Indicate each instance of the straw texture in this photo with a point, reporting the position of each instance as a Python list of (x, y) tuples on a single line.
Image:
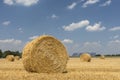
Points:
[(10, 58), (85, 57), (17, 57), (45, 54)]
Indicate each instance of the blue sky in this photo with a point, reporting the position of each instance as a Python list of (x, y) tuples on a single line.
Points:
[(81, 25)]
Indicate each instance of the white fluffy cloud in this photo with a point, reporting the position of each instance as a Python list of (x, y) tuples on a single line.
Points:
[(116, 36), (11, 44), (107, 3), (95, 27), (86, 3), (6, 23), (115, 29), (33, 37), (84, 23), (114, 42), (68, 41), (90, 2), (91, 47), (113, 47), (13, 41), (77, 25), (110, 47), (71, 6), (20, 29), (54, 16), (9, 2), (92, 44), (21, 2)]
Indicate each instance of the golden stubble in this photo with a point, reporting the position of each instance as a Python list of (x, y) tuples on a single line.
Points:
[(97, 69)]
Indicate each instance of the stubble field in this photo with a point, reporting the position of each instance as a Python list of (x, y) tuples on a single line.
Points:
[(97, 69)]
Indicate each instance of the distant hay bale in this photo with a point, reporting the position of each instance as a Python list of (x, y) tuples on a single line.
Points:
[(45, 54), (85, 57), (10, 58), (17, 57), (102, 57)]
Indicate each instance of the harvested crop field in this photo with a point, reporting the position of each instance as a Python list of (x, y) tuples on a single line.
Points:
[(97, 69)]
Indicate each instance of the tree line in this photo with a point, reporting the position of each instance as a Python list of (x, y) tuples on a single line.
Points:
[(17, 53), (109, 55), (8, 52)]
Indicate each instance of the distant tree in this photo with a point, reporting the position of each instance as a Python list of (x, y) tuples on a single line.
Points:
[(0, 53), (118, 55), (8, 52), (16, 53), (75, 54), (97, 55)]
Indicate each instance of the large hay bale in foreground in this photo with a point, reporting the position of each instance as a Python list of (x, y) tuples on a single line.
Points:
[(102, 57), (85, 57), (17, 57), (10, 58), (45, 54)]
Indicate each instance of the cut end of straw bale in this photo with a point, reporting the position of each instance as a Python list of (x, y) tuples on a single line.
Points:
[(10, 58), (17, 57), (85, 57), (102, 57), (45, 54)]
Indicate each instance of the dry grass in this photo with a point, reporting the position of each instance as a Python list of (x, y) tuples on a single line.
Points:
[(10, 58), (97, 69)]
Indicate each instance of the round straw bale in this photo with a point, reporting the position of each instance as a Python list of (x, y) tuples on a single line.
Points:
[(45, 54), (10, 58), (17, 57), (85, 57), (102, 57)]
